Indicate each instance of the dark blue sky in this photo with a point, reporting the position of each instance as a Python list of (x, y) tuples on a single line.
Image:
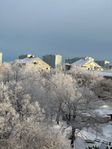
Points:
[(68, 27)]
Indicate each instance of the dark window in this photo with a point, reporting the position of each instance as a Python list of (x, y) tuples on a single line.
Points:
[(35, 63)]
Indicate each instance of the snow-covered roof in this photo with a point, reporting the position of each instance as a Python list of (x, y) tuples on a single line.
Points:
[(83, 62), (28, 60), (79, 62), (105, 73), (35, 60), (67, 64)]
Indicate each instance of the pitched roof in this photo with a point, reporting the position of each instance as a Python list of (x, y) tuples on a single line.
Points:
[(79, 62), (84, 61), (28, 60)]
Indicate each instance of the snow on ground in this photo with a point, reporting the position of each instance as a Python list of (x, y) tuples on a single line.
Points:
[(92, 135), (104, 112), (107, 131), (87, 134)]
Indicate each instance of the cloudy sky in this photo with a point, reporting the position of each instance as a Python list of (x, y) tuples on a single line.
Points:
[(68, 27)]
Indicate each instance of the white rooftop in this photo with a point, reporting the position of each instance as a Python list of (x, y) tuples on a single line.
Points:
[(82, 62), (28, 60)]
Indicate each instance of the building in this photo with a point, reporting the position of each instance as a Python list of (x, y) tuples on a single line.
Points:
[(26, 56), (103, 63), (72, 60), (110, 65), (1, 57), (36, 62), (86, 63), (67, 66), (55, 61)]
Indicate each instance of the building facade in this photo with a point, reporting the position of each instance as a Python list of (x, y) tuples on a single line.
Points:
[(104, 63), (110, 65), (34, 62), (1, 57), (87, 63), (55, 61)]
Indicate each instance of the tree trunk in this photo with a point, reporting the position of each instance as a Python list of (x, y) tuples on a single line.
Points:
[(57, 118), (73, 137), (58, 114)]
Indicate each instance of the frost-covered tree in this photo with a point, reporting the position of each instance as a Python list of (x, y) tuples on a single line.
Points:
[(8, 115), (34, 136), (29, 98), (72, 103), (103, 89)]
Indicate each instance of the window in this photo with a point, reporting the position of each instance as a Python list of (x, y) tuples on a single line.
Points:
[(35, 62)]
